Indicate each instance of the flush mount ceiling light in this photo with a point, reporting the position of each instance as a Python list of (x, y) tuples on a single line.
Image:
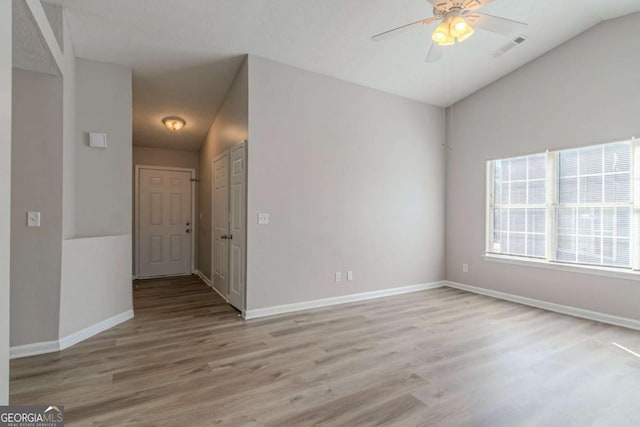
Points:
[(174, 123), (456, 20)]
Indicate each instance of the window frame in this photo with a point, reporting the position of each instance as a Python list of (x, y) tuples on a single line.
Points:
[(552, 206)]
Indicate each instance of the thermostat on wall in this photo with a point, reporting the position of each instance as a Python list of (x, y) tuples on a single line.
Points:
[(97, 140)]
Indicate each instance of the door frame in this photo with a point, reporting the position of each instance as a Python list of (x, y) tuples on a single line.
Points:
[(136, 249)]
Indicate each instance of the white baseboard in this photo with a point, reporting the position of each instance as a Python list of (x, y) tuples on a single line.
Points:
[(66, 342), (558, 308), (206, 280), (306, 305), (95, 329), (34, 349)]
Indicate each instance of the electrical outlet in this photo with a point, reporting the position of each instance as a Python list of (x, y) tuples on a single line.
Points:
[(338, 276), (349, 275), (465, 268), (33, 219), (263, 218)]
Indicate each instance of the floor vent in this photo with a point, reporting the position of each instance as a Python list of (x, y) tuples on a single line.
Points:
[(507, 47)]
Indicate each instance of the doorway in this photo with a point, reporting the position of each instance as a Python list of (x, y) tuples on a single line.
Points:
[(164, 221), (228, 224)]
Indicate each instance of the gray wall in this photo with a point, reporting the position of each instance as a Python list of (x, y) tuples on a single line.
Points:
[(39, 175), (36, 186), (103, 176), (5, 194), (584, 92), (228, 129), (353, 180)]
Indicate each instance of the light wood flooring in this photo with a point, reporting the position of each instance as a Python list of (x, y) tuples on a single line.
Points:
[(441, 357)]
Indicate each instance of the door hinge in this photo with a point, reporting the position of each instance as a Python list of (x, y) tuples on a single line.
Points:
[(193, 180)]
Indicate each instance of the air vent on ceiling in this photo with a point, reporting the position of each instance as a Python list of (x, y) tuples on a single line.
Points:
[(507, 47)]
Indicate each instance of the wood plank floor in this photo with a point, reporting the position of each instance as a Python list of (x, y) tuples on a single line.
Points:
[(440, 357)]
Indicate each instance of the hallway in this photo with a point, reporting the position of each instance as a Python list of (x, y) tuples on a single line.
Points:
[(99, 378)]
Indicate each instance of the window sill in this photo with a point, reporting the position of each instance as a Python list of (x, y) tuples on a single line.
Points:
[(580, 269)]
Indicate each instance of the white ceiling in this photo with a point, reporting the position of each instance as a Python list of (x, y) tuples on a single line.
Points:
[(185, 54), (29, 51)]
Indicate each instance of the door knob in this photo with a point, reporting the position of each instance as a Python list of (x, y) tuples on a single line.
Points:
[(188, 230), (188, 223)]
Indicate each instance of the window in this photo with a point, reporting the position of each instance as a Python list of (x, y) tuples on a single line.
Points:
[(571, 206), (518, 209)]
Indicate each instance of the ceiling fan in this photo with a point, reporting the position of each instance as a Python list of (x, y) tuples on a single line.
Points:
[(458, 18)]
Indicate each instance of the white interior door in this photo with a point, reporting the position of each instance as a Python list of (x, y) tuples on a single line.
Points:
[(164, 221), (237, 241), (220, 216)]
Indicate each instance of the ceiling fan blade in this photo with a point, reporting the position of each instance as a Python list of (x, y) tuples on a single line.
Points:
[(495, 24), (398, 30), (476, 4), (444, 5), (439, 4), (435, 53)]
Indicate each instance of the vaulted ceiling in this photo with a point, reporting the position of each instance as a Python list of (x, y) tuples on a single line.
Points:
[(185, 54), (29, 50)]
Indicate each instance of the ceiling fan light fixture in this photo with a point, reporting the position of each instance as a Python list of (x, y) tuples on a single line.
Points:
[(442, 34), (453, 29), (459, 26), (174, 123), (468, 33)]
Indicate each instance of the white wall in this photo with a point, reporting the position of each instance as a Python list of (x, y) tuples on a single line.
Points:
[(584, 92), (103, 177), (96, 277), (5, 193), (96, 262), (36, 185), (353, 180), (229, 128)]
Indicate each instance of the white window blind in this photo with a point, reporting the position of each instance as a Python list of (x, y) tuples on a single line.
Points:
[(518, 208), (570, 206), (594, 209)]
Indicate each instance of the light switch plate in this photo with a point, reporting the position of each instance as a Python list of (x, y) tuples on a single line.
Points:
[(263, 218), (33, 219), (338, 276), (349, 275), (97, 140)]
